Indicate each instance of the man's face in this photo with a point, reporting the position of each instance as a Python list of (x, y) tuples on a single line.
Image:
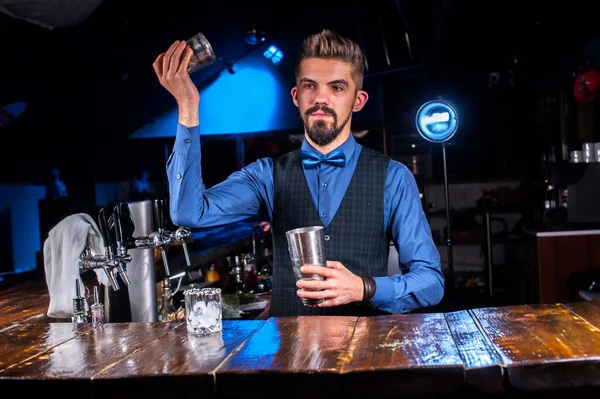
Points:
[(326, 97)]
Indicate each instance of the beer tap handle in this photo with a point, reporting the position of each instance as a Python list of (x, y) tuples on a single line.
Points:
[(128, 225), (163, 252), (121, 246), (182, 235), (118, 230), (106, 236), (159, 215), (103, 226), (159, 218), (187, 254)]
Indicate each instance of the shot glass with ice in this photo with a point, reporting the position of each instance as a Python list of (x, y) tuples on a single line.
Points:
[(203, 310)]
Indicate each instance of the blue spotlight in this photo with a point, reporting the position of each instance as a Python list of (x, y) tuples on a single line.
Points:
[(274, 54), (270, 52), (277, 57), (436, 121)]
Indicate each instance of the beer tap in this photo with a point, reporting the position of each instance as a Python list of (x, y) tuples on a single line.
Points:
[(112, 258), (181, 235), (164, 237), (161, 240), (121, 257), (108, 250)]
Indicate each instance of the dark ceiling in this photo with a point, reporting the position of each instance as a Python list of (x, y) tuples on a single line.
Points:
[(91, 85)]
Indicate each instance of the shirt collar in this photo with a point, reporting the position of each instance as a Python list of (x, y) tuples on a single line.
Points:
[(347, 146)]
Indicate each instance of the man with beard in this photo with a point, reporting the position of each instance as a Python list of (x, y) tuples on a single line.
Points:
[(362, 198)]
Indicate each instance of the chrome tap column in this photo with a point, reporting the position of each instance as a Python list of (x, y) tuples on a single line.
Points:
[(142, 291)]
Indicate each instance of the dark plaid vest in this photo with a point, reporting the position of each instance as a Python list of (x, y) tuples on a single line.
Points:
[(355, 237)]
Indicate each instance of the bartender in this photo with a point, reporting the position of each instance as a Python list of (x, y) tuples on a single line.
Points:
[(363, 198)]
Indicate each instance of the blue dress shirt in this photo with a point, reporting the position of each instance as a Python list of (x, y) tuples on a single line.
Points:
[(420, 281)]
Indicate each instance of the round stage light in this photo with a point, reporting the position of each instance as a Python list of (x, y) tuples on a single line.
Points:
[(437, 121)]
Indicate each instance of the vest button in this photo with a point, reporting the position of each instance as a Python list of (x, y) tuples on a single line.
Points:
[(326, 237)]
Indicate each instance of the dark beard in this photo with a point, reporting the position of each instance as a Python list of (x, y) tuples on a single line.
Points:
[(322, 132)]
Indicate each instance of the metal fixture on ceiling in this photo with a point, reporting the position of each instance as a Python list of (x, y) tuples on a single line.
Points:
[(254, 34)]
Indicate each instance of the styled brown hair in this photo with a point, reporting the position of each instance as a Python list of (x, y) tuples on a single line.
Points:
[(329, 45)]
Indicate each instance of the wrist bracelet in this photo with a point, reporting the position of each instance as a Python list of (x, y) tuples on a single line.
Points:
[(369, 289)]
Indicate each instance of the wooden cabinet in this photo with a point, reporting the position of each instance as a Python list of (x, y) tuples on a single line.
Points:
[(557, 256)]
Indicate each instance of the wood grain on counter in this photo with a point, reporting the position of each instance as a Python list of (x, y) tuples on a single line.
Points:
[(173, 362), (301, 356), (483, 367), (26, 302), (543, 346), (588, 310), (400, 353)]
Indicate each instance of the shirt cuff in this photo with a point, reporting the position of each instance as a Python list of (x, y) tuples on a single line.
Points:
[(384, 293), (187, 138)]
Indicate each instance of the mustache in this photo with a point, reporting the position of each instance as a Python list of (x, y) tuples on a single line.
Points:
[(321, 108)]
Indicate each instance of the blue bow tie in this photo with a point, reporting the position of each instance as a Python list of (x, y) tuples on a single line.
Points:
[(312, 159)]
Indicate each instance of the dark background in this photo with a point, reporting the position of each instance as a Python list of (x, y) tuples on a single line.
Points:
[(91, 85)]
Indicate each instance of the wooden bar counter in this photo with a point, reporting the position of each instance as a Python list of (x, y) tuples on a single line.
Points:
[(524, 350)]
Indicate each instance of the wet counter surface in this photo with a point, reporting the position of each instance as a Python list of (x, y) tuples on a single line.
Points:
[(515, 350)]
